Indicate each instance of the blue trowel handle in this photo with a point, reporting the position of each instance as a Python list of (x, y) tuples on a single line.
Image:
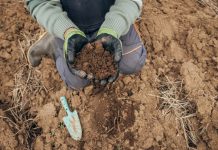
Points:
[(65, 104)]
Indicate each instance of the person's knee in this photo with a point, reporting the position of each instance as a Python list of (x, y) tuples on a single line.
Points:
[(133, 62)]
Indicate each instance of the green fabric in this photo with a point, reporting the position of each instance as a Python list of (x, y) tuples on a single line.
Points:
[(50, 15), (121, 16), (33, 3), (108, 31), (73, 31)]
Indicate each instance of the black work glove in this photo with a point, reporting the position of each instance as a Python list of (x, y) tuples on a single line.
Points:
[(73, 43), (114, 46)]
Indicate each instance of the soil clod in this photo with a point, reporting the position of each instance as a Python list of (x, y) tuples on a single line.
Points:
[(112, 117), (94, 59)]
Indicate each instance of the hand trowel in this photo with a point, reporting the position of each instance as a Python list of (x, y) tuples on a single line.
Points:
[(72, 121)]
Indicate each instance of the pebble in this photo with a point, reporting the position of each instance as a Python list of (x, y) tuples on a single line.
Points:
[(136, 113), (127, 80), (158, 138), (125, 94), (99, 144), (121, 84), (142, 86), (75, 92), (126, 142), (88, 90), (160, 70), (43, 93)]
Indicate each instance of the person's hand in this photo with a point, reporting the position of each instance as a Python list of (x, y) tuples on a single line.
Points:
[(111, 43), (74, 40)]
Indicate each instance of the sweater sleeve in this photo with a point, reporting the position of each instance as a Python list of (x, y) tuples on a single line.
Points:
[(50, 15), (122, 15)]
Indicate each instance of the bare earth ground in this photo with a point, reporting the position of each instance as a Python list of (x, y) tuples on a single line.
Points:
[(171, 104)]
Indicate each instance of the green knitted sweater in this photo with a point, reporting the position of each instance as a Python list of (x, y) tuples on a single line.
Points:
[(50, 15)]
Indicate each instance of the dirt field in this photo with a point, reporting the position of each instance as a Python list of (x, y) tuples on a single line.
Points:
[(171, 104)]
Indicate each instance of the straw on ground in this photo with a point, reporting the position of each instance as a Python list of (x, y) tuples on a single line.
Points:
[(174, 100)]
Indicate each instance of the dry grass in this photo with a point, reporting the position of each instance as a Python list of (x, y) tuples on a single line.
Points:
[(175, 101), (210, 3), (27, 81), (22, 122), (26, 84)]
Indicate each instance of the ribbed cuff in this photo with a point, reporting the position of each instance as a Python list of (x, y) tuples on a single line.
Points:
[(108, 31), (118, 24), (121, 16), (62, 24)]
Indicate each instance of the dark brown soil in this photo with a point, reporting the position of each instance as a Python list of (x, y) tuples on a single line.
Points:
[(94, 59), (111, 116)]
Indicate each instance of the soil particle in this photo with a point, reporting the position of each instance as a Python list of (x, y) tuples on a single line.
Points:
[(88, 90), (127, 80), (95, 60)]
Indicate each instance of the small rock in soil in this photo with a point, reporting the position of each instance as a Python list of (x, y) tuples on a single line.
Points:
[(127, 80), (88, 90)]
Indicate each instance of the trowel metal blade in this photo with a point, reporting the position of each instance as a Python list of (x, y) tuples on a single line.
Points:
[(73, 125)]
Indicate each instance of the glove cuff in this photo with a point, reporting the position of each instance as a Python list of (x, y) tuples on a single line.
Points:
[(72, 31), (109, 31)]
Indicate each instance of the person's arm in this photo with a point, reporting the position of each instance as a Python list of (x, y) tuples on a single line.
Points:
[(121, 16), (50, 15)]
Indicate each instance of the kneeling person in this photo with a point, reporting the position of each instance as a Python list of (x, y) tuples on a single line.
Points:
[(72, 24)]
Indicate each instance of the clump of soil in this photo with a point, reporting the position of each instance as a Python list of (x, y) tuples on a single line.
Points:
[(95, 60), (106, 117), (111, 116)]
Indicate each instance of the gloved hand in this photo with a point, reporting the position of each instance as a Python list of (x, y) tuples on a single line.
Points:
[(112, 43), (74, 40)]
